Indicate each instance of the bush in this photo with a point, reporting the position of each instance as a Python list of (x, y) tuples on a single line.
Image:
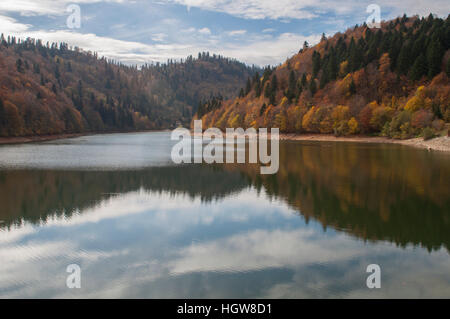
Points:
[(438, 125), (427, 133), (399, 126)]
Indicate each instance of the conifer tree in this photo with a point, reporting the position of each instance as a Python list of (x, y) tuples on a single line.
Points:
[(403, 62), (434, 55), (352, 88), (248, 87), (419, 68), (290, 94), (258, 88), (316, 63), (304, 80), (313, 87), (332, 66)]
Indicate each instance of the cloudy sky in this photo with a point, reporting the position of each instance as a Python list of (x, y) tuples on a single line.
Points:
[(254, 31)]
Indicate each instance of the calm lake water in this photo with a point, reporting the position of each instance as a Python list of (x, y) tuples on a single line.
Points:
[(141, 227)]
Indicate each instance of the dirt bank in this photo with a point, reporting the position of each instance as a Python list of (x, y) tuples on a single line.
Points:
[(43, 138), (436, 144), (30, 139)]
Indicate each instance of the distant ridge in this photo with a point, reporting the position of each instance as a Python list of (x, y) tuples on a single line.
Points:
[(48, 89)]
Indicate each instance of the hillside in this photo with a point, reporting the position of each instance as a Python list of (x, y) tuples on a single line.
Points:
[(392, 81), (52, 89)]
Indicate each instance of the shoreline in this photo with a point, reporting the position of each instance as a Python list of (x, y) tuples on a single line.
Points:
[(35, 139), (46, 138), (441, 143)]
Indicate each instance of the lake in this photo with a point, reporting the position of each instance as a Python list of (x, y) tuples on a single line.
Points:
[(141, 227)]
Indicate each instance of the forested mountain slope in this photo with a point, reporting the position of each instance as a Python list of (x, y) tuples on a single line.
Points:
[(51, 89), (391, 81)]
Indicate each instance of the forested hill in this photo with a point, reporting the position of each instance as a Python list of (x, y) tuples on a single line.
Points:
[(51, 89), (392, 81)]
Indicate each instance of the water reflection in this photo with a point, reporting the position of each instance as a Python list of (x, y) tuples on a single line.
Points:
[(372, 192), (226, 231), (376, 192)]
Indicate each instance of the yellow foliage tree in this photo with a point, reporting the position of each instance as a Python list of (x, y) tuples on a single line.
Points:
[(307, 121), (353, 127), (234, 121), (281, 122), (417, 101), (343, 68)]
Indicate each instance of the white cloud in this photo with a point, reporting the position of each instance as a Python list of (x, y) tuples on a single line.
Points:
[(9, 25), (269, 50), (204, 31), (255, 9), (237, 32), (125, 51), (307, 9), (261, 249), (159, 37), (44, 7)]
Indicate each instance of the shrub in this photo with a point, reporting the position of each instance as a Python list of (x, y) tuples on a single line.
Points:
[(398, 127), (421, 119), (406, 131), (427, 133), (438, 125)]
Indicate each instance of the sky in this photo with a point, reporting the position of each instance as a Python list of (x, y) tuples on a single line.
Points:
[(259, 32)]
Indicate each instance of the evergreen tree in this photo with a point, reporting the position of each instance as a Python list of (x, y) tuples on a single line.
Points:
[(332, 66), (434, 55), (257, 84), (273, 90), (304, 80), (299, 91), (316, 63), (274, 84), (19, 65), (248, 87), (313, 87), (262, 109), (258, 88), (324, 79), (267, 90), (403, 62), (291, 91), (419, 68), (352, 88)]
